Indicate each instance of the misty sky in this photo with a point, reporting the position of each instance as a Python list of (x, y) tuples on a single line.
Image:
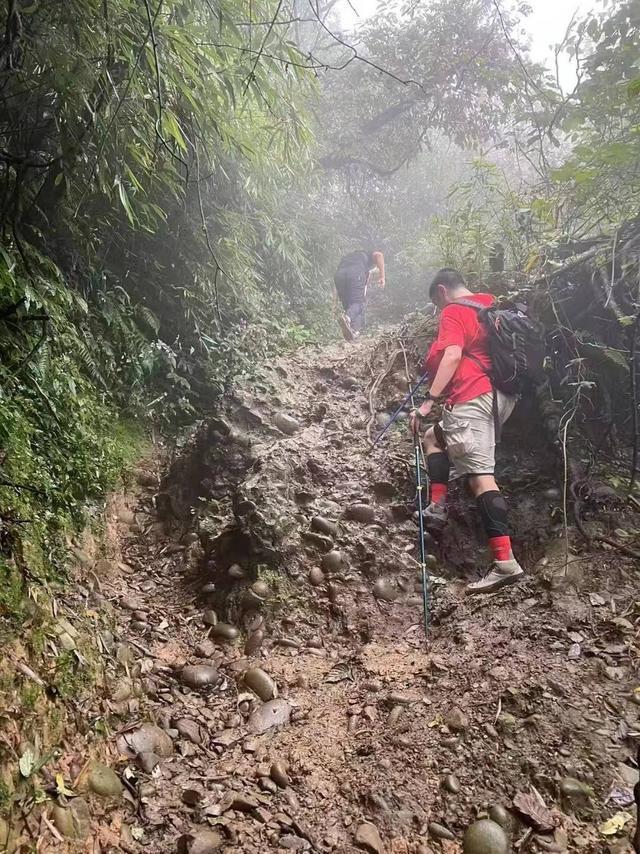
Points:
[(546, 25)]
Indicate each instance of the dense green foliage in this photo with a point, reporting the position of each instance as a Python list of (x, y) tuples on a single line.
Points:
[(178, 177), (146, 156)]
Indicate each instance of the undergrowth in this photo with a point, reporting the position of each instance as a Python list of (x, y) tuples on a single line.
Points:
[(63, 443)]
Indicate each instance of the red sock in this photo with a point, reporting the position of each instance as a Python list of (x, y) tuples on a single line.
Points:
[(439, 492), (500, 547)]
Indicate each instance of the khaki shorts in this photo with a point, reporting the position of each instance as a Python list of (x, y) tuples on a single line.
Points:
[(469, 432)]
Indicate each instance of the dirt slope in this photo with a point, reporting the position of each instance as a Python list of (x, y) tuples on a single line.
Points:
[(385, 742)]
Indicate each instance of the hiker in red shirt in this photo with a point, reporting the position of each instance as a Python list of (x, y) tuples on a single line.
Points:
[(459, 364)]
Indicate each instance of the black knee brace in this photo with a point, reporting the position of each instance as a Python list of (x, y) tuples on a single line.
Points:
[(438, 467), (493, 511)]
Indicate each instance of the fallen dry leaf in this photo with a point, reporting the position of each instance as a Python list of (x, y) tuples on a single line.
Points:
[(615, 824), (534, 811)]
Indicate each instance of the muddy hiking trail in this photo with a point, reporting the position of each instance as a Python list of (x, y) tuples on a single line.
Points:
[(265, 681)]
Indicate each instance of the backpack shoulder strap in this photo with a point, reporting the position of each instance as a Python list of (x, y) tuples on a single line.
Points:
[(469, 304)]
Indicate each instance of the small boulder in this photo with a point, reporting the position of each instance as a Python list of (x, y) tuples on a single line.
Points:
[(209, 617), (316, 576), (199, 676), (368, 838), (271, 714), (324, 526), (332, 561), (148, 738), (439, 831), (190, 730), (104, 781), (74, 821), (385, 590), (261, 684), (363, 513), (286, 424), (456, 720), (260, 588), (200, 842), (485, 837), (225, 632), (278, 774)]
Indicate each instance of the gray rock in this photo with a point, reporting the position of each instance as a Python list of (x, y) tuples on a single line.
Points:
[(225, 632), (384, 589), (190, 730), (324, 526), (439, 831), (210, 618), (485, 837), (575, 791), (278, 774), (148, 761), (104, 781), (332, 561), (139, 626), (274, 713), (456, 720), (261, 684), (316, 576), (502, 816), (451, 784), (199, 676), (74, 821), (148, 738), (200, 842), (320, 541), (294, 843), (364, 513), (286, 423), (629, 775), (267, 785), (368, 838), (260, 588)]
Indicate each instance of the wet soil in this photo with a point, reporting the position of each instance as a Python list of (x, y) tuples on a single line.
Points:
[(279, 540)]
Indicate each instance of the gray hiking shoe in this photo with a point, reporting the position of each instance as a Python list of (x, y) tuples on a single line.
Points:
[(501, 574), (435, 517), (345, 325)]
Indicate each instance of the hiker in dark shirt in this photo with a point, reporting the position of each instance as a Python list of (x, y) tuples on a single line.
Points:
[(352, 279)]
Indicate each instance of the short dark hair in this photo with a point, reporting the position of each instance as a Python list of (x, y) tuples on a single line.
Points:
[(449, 278)]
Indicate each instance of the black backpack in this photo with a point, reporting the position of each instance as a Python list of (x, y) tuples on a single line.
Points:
[(516, 346)]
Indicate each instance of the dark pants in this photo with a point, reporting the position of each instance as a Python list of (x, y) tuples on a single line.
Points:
[(356, 315), (351, 287)]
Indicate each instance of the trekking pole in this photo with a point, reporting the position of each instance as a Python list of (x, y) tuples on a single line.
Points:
[(396, 414), (417, 451)]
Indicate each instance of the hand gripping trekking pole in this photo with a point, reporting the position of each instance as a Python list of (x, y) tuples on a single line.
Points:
[(396, 414)]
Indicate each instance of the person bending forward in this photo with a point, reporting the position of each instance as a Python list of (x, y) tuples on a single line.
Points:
[(458, 362)]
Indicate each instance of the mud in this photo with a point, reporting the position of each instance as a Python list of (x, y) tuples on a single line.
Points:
[(367, 736)]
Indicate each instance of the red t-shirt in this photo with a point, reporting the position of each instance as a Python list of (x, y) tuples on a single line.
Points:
[(459, 326)]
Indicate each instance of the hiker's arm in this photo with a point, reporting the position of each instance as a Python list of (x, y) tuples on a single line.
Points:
[(378, 260), (451, 358)]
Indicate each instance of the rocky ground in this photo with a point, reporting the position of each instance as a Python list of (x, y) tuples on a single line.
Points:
[(268, 686)]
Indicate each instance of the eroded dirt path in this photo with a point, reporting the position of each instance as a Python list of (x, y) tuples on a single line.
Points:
[(278, 542)]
